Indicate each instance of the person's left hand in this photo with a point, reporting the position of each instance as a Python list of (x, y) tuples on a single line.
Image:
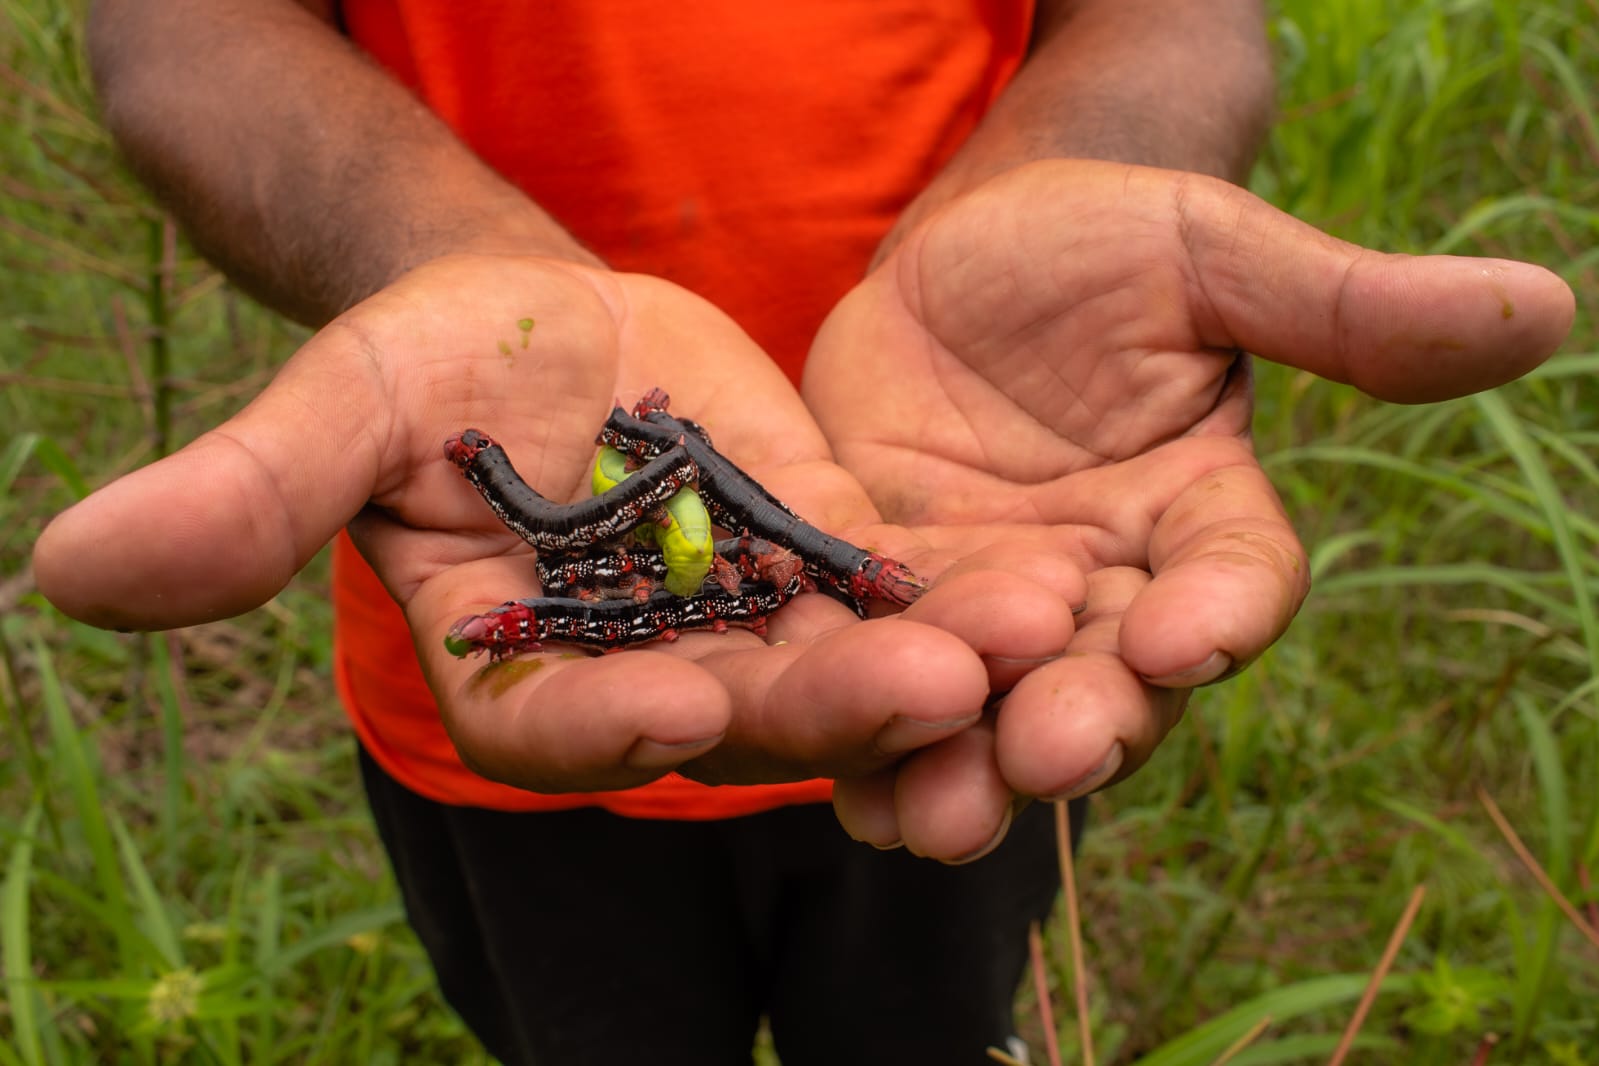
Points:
[(1051, 367)]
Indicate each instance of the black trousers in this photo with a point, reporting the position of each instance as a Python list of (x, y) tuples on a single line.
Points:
[(580, 936)]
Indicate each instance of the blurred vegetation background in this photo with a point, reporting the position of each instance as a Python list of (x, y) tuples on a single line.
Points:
[(189, 874)]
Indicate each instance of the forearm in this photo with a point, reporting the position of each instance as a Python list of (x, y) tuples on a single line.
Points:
[(292, 161), (1155, 82)]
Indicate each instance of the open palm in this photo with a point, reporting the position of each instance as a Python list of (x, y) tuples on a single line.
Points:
[(1054, 362)]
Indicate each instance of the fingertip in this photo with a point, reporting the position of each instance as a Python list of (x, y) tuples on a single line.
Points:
[(1008, 619), (953, 805), (961, 858), (1212, 668), (865, 809), (930, 672), (53, 571), (849, 700), (1195, 620), (1229, 576), (552, 722), (1096, 777), (1060, 729), (656, 757), (1536, 301), (1419, 329), (1078, 724)]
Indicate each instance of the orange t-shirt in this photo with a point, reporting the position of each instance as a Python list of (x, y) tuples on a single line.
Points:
[(754, 154)]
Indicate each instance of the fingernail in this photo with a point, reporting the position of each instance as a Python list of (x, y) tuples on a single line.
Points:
[(994, 842), (1096, 777), (885, 845), (647, 754), (903, 734), (1217, 664), (1036, 660)]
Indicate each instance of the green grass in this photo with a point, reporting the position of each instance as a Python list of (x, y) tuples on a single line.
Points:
[(189, 873), (1450, 644)]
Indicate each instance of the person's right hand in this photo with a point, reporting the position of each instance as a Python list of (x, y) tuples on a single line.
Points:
[(351, 432)]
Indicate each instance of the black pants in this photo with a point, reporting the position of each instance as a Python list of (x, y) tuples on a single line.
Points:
[(583, 937)]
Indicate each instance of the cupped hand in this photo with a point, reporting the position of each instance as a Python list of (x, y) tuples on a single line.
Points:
[(535, 353), (1053, 363)]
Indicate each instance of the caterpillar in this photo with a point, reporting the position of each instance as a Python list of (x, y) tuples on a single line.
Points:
[(683, 533)]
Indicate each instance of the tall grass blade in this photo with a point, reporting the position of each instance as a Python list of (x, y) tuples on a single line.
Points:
[(1511, 208), (25, 446), (1065, 855), (1554, 818), (11, 1056), (1525, 585), (1496, 412), (1575, 559), (1567, 365), (1554, 806), (151, 909), (1202, 1045), (335, 932), (269, 919), (1237, 1047), (1574, 83), (164, 673), (22, 998), (1435, 826), (71, 756)]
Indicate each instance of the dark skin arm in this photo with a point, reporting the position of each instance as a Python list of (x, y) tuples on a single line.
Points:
[(1154, 82), (312, 192), (270, 201)]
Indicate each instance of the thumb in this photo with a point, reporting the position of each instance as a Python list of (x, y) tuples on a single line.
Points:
[(220, 527), (1409, 329)]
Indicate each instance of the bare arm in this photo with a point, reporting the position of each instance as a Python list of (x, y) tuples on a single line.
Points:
[(1161, 83), (292, 161)]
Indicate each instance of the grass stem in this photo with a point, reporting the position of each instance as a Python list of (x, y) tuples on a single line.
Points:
[(1074, 930), (1535, 868), (1367, 998), (1046, 1009)]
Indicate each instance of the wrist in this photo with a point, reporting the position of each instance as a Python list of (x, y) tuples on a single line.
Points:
[(503, 222), (311, 193), (1175, 86)]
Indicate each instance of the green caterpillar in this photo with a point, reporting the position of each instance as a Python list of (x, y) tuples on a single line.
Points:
[(685, 536)]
